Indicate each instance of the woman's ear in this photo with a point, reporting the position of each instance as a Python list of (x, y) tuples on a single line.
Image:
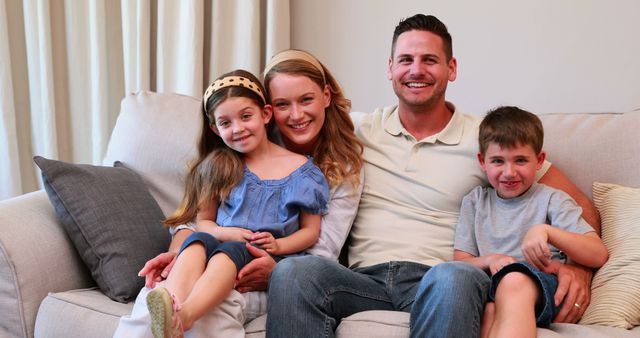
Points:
[(326, 95), (267, 113)]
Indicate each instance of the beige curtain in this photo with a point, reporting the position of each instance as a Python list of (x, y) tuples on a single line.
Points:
[(65, 66)]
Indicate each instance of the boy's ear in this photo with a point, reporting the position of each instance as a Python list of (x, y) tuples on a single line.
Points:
[(267, 113), (541, 157), (214, 128), (481, 160)]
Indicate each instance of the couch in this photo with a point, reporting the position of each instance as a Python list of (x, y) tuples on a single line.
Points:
[(47, 291)]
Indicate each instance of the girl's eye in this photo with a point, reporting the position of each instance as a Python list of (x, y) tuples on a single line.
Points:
[(223, 123)]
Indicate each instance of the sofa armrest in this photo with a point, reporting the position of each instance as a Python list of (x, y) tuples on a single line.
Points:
[(36, 257)]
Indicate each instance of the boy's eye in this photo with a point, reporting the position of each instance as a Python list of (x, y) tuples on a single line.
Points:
[(497, 161)]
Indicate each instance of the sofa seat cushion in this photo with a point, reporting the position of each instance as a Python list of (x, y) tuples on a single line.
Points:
[(79, 313)]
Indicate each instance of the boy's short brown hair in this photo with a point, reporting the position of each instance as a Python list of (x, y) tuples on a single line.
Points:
[(510, 126)]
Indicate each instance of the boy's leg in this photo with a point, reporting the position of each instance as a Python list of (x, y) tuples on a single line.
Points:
[(309, 295), (449, 301), (516, 298)]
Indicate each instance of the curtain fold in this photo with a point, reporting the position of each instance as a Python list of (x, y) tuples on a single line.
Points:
[(66, 65)]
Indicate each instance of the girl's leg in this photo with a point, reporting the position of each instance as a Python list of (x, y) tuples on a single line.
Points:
[(189, 266), (487, 319), (213, 286), (515, 303)]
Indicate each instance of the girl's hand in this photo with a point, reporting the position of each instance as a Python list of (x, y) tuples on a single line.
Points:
[(535, 246), (265, 241), (234, 234), (499, 261)]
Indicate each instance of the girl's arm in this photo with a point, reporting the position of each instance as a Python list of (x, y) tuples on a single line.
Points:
[(298, 241), (490, 263), (205, 222), (584, 249)]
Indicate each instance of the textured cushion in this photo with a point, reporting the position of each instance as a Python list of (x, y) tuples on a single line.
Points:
[(157, 136), (615, 289), (111, 218)]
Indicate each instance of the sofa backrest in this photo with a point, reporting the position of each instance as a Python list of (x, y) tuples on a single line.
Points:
[(157, 136), (594, 147)]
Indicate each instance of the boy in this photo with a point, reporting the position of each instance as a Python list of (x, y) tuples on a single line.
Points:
[(518, 230)]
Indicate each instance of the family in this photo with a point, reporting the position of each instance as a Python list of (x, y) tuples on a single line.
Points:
[(458, 220)]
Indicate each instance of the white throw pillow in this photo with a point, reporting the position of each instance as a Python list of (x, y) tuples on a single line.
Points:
[(615, 292)]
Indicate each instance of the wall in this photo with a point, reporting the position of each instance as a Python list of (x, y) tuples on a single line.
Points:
[(545, 56)]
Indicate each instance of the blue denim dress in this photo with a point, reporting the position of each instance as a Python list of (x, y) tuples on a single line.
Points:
[(267, 205)]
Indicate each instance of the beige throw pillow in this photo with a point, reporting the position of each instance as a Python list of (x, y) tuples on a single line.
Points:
[(615, 298)]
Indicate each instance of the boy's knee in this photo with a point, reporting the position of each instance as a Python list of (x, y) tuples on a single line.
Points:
[(516, 282)]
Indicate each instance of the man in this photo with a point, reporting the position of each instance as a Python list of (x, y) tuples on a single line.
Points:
[(420, 160)]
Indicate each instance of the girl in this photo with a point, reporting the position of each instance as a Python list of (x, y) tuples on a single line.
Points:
[(243, 189)]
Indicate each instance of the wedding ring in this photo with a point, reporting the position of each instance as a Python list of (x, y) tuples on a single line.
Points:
[(576, 305)]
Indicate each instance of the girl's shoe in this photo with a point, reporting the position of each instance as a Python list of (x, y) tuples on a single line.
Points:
[(163, 309)]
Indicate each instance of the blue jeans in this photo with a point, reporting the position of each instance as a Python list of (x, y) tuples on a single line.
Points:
[(308, 296)]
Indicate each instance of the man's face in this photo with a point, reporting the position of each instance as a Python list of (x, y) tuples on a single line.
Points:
[(419, 70)]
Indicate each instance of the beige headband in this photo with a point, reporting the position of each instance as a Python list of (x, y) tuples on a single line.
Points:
[(231, 81), (294, 54)]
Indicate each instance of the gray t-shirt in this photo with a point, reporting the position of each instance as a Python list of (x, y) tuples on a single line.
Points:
[(490, 224)]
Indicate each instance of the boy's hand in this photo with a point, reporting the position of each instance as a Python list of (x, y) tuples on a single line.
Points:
[(535, 246), (499, 261), (265, 241)]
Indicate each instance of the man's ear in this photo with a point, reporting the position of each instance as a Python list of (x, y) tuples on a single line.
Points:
[(389, 69), (541, 157), (214, 128), (267, 113), (481, 161)]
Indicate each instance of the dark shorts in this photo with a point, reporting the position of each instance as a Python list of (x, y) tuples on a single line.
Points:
[(546, 310), (237, 251)]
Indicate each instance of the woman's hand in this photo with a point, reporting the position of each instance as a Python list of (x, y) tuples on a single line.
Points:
[(157, 268), (255, 275)]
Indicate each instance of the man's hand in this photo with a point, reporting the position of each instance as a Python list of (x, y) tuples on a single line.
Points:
[(157, 268), (574, 292), (255, 275)]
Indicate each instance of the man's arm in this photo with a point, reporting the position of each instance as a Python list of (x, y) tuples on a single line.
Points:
[(574, 281)]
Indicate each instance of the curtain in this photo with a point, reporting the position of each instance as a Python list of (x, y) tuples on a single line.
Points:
[(66, 65)]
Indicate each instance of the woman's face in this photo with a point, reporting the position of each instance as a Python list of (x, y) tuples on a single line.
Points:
[(299, 110)]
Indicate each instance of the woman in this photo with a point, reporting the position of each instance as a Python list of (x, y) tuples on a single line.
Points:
[(312, 118)]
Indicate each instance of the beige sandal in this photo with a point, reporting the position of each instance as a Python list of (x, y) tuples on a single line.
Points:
[(163, 310)]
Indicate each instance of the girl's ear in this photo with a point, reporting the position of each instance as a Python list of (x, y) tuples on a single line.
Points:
[(214, 128), (326, 95), (267, 113)]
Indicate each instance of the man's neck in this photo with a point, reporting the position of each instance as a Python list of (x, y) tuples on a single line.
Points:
[(422, 122)]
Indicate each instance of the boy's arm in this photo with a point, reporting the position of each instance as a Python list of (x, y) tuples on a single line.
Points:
[(574, 281), (490, 263), (585, 249)]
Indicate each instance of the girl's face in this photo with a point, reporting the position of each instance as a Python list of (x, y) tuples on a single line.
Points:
[(299, 110), (241, 124)]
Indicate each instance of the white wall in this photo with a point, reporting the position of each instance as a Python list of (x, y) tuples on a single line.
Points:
[(545, 55)]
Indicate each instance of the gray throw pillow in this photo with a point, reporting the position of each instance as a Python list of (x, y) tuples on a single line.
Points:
[(111, 218)]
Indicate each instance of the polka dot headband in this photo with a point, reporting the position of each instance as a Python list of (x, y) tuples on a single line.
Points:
[(231, 81)]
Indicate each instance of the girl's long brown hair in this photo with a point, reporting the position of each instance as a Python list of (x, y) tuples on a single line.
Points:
[(218, 168)]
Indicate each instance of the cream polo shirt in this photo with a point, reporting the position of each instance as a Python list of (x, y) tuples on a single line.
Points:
[(413, 188)]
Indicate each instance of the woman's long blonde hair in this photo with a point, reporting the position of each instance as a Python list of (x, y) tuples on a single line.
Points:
[(338, 152), (218, 168)]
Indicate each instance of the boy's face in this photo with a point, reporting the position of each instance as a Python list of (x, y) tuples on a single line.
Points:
[(511, 171)]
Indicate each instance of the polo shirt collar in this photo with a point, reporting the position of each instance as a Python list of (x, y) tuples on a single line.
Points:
[(451, 134)]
